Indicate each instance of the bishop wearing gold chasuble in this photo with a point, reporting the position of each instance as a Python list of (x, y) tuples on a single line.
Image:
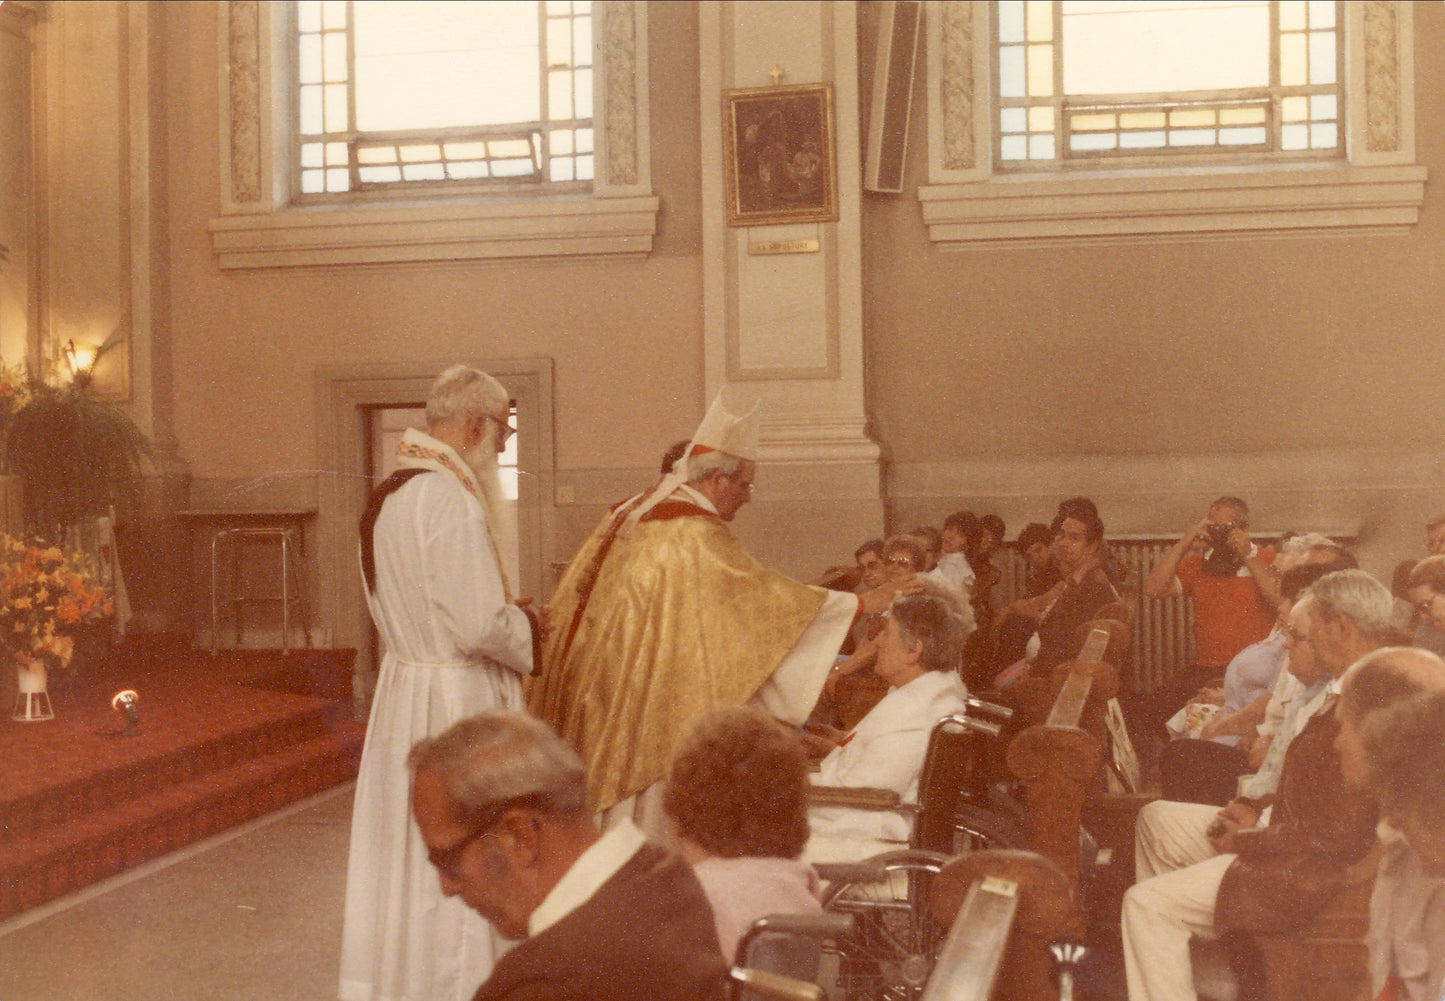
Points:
[(663, 615)]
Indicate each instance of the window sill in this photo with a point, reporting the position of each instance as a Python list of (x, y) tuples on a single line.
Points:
[(542, 228), (1172, 205)]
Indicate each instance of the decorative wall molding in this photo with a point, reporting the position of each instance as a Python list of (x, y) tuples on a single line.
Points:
[(244, 49), (1382, 76), (258, 228), (622, 20), (457, 231), (956, 92), (1141, 205), (1378, 187)]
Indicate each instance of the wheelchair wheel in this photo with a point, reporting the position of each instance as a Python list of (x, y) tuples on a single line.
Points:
[(895, 940)]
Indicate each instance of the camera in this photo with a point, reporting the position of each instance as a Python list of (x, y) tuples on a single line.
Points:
[(1219, 534), (1222, 561)]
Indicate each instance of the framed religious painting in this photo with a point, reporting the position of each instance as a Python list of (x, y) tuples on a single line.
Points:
[(779, 157)]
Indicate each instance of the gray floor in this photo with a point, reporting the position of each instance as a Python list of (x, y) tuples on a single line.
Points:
[(252, 915)]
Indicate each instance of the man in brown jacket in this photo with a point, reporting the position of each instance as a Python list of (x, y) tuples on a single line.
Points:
[(1267, 866), (501, 805)]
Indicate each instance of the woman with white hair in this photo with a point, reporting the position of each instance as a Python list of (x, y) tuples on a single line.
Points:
[(919, 654)]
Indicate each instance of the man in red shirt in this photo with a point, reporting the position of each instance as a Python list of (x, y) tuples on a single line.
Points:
[(1231, 581)]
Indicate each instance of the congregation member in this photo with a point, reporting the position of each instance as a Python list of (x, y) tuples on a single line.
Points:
[(1429, 633), (1084, 589), (1206, 769), (456, 641), (1425, 588), (1233, 588), (955, 540), (1260, 865), (737, 810), (932, 541), (1403, 761), (852, 689), (501, 805), (918, 656), (663, 615)]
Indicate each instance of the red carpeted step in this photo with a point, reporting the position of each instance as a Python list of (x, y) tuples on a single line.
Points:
[(44, 865), (89, 772)]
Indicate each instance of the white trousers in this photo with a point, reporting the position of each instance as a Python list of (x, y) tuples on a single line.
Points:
[(1173, 902)]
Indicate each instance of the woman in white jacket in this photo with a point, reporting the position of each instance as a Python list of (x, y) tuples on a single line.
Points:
[(919, 652)]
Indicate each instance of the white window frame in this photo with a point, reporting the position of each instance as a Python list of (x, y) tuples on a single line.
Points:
[(967, 204), (260, 228)]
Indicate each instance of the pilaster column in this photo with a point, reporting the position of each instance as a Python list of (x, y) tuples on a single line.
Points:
[(787, 328)]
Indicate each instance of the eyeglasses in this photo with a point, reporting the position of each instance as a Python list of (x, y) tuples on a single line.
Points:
[(1294, 635), (1423, 607), (448, 860), (900, 561)]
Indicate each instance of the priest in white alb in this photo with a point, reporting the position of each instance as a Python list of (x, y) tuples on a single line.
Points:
[(663, 615), (457, 642)]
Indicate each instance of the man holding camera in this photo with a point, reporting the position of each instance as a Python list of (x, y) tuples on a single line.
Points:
[(1235, 591)]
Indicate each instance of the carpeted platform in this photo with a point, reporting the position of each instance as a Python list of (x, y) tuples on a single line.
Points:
[(222, 740)]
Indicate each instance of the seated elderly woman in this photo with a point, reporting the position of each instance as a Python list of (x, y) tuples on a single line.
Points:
[(736, 802), (918, 655), (1396, 752), (852, 690)]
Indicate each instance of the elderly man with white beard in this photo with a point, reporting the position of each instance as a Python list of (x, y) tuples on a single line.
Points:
[(456, 642)]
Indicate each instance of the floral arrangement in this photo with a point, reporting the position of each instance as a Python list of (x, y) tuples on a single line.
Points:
[(45, 595)]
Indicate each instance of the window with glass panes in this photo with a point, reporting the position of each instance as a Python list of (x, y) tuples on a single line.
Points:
[(1099, 81), (425, 94)]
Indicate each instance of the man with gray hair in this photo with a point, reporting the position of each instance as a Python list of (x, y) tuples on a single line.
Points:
[(501, 805), (1264, 865), (457, 640), (663, 615)]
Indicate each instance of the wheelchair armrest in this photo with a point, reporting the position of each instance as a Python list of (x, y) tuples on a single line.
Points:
[(775, 985), (850, 872), (819, 925), (989, 708), (859, 797)]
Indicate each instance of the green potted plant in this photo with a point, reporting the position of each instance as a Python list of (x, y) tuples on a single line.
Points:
[(77, 455), (14, 392)]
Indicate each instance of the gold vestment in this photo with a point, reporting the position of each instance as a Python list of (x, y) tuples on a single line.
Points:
[(679, 620)]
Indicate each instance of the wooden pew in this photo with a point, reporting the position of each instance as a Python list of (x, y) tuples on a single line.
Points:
[(1005, 909), (1327, 959), (1059, 761)]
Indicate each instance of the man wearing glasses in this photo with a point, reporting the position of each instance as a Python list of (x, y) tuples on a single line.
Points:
[(663, 615), (457, 641), (501, 805)]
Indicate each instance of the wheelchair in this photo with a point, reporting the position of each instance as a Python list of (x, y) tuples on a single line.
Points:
[(894, 939)]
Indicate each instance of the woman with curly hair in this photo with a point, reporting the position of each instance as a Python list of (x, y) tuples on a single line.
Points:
[(737, 809)]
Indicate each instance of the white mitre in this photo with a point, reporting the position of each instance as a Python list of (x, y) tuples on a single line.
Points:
[(720, 431)]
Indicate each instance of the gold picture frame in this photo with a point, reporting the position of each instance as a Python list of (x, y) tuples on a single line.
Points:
[(779, 155)]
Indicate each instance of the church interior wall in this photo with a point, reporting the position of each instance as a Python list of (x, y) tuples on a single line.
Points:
[(1155, 375)]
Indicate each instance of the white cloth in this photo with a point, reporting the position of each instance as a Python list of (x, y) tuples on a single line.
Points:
[(1179, 874), (1304, 703), (741, 890), (1160, 916), (886, 751), (1169, 835), (595, 866), (453, 648), (955, 568), (1407, 922)]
